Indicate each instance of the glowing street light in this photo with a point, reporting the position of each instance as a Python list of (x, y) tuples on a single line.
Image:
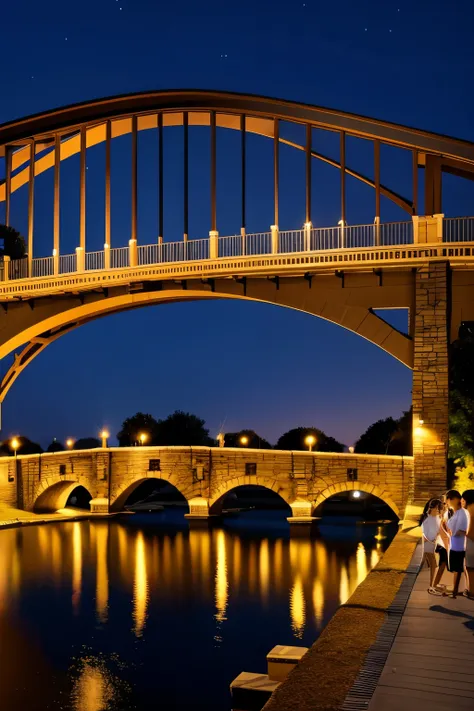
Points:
[(356, 494), (351, 450), (142, 438), (14, 444), (309, 441), (104, 435), (69, 443), (244, 440)]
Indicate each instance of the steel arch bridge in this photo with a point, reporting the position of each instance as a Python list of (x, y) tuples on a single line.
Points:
[(343, 273)]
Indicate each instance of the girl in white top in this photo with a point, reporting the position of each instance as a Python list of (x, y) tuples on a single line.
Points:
[(430, 524)]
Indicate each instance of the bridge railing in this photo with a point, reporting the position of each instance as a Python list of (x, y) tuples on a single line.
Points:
[(458, 229), (42, 267), (67, 263)]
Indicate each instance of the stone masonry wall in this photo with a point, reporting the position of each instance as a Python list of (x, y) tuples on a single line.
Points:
[(209, 473), (430, 380)]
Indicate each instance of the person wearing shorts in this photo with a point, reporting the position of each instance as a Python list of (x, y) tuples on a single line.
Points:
[(468, 503), (457, 526), (442, 548)]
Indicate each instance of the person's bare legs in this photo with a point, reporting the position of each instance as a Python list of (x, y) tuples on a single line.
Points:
[(457, 580), (439, 574), (431, 561)]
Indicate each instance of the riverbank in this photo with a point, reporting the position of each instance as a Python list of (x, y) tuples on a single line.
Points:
[(326, 674), (11, 517)]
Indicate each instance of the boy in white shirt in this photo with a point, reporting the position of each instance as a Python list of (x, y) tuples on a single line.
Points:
[(457, 527)]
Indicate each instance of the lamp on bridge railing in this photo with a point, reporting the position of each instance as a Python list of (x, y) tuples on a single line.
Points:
[(351, 450), (310, 441), (104, 435), (142, 438), (244, 440), (69, 443)]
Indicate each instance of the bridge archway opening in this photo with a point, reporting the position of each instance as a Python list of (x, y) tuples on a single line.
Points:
[(359, 503), (150, 495), (62, 495), (244, 498)]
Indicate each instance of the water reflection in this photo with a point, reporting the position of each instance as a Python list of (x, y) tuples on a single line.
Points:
[(140, 586), (102, 577), (297, 608), (76, 566), (165, 586)]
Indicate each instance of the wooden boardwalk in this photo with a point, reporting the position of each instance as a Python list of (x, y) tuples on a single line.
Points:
[(431, 662)]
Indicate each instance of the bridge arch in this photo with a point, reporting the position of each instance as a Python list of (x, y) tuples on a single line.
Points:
[(120, 497), (367, 487), (60, 318), (216, 501), (52, 497)]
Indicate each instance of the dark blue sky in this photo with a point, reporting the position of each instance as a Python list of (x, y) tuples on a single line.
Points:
[(254, 365)]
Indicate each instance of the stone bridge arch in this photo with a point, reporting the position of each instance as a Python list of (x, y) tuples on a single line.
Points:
[(52, 497), (366, 487), (278, 487), (120, 496)]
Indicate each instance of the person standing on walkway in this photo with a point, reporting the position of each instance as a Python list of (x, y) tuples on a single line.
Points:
[(442, 547), (468, 502), (430, 524), (457, 527)]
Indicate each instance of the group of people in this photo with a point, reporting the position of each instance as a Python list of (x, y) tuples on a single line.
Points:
[(448, 532)]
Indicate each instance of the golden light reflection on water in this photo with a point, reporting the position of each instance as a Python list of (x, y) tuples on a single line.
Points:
[(140, 586), (221, 579), (344, 592), (318, 602), (297, 608), (93, 690), (304, 579), (264, 569), (76, 566), (361, 562)]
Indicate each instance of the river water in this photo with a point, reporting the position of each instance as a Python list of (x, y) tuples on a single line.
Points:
[(141, 613)]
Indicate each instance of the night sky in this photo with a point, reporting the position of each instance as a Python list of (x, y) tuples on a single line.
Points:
[(248, 365)]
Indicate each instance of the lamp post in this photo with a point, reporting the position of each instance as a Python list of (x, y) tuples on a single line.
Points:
[(309, 441), (104, 435), (142, 438), (14, 445), (69, 443), (244, 440)]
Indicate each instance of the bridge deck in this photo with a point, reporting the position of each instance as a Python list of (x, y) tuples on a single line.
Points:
[(431, 662)]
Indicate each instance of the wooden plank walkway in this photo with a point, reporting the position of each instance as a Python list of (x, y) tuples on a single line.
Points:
[(431, 662)]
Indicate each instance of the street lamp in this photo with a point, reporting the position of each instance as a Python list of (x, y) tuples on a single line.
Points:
[(244, 440), (69, 443), (356, 494), (351, 450), (309, 441), (14, 444), (142, 438), (104, 435)]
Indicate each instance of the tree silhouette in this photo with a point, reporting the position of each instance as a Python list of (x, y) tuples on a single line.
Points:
[(26, 446), (254, 441), (295, 439), (14, 245), (461, 396), (132, 427), (55, 446), (388, 436), (87, 443), (183, 428)]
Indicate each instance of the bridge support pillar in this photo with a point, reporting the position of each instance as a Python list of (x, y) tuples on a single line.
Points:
[(198, 509), (300, 513), (213, 244), (430, 381), (133, 253)]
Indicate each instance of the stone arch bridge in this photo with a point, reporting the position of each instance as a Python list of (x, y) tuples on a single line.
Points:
[(203, 476)]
